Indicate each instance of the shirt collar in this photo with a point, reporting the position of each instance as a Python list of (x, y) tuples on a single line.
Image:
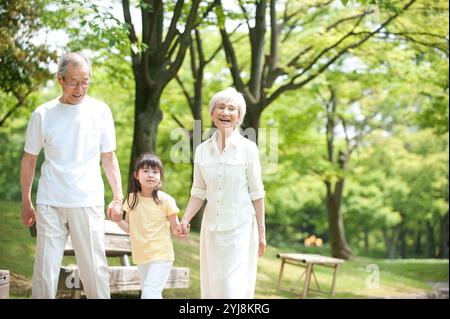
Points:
[(233, 139)]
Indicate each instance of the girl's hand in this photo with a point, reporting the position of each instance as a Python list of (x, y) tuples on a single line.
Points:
[(114, 210), (185, 227), (180, 233)]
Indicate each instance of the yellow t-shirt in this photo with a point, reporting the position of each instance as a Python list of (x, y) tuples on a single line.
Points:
[(150, 229)]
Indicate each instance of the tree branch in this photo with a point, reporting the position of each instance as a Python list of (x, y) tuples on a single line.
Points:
[(233, 65), (330, 126), (334, 25), (20, 102), (295, 59), (131, 30), (244, 11), (258, 42), (172, 32), (178, 121), (185, 92), (184, 39), (292, 85)]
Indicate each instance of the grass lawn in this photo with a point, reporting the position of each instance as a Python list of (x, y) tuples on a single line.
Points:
[(356, 278)]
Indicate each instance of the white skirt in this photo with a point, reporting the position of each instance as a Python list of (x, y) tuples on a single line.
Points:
[(229, 261)]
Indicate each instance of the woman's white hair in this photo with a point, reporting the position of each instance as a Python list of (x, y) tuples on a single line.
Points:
[(232, 96)]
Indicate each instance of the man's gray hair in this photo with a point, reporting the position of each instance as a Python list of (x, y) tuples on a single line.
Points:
[(75, 58), (229, 95)]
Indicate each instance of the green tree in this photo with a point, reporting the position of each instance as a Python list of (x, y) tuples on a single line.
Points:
[(157, 63), (23, 64), (294, 27), (399, 189)]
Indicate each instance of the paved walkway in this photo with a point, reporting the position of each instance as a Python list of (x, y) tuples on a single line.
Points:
[(440, 292)]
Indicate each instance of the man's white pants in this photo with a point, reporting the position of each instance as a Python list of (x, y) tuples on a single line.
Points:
[(153, 277), (86, 227)]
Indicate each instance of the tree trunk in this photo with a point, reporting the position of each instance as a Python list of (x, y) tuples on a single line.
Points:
[(402, 235), (251, 122), (339, 246), (154, 67), (366, 239), (444, 236), (390, 242), (147, 117), (418, 243), (431, 245)]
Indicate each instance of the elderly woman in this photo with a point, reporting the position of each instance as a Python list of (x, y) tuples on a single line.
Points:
[(227, 173)]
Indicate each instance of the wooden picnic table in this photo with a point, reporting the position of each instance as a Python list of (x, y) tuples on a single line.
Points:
[(117, 243), (308, 261)]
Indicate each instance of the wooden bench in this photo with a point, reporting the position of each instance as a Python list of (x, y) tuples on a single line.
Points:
[(4, 284), (308, 261), (121, 278)]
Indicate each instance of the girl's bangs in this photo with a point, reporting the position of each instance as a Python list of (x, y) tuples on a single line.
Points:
[(149, 163)]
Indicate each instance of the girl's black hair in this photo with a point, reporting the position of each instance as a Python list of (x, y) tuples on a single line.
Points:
[(146, 160)]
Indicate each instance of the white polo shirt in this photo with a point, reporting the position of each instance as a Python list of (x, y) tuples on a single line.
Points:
[(73, 137), (229, 181)]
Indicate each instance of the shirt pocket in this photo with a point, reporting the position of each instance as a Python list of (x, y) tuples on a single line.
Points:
[(236, 168), (209, 172)]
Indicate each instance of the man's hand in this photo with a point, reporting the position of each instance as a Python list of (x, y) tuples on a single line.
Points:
[(114, 210), (27, 167), (28, 214)]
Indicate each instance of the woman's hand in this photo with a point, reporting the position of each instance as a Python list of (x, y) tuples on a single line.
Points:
[(184, 228), (180, 233), (262, 244)]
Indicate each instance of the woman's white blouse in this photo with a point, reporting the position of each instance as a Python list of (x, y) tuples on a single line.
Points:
[(229, 181)]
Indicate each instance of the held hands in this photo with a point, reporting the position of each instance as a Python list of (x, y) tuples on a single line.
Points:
[(178, 232), (114, 210), (183, 230)]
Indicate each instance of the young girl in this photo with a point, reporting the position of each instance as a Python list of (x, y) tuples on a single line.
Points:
[(150, 215)]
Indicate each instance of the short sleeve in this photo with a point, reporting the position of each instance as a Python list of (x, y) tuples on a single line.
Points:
[(126, 205), (34, 140), (198, 185), (255, 184), (171, 207), (108, 138)]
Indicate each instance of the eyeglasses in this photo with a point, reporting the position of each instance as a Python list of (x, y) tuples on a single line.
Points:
[(73, 84)]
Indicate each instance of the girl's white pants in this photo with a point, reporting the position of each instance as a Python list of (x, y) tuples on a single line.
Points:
[(153, 277)]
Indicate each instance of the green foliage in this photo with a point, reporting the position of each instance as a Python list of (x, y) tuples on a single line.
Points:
[(393, 185), (23, 63), (93, 25)]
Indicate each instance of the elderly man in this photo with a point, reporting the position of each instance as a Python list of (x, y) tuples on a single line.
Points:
[(75, 131)]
